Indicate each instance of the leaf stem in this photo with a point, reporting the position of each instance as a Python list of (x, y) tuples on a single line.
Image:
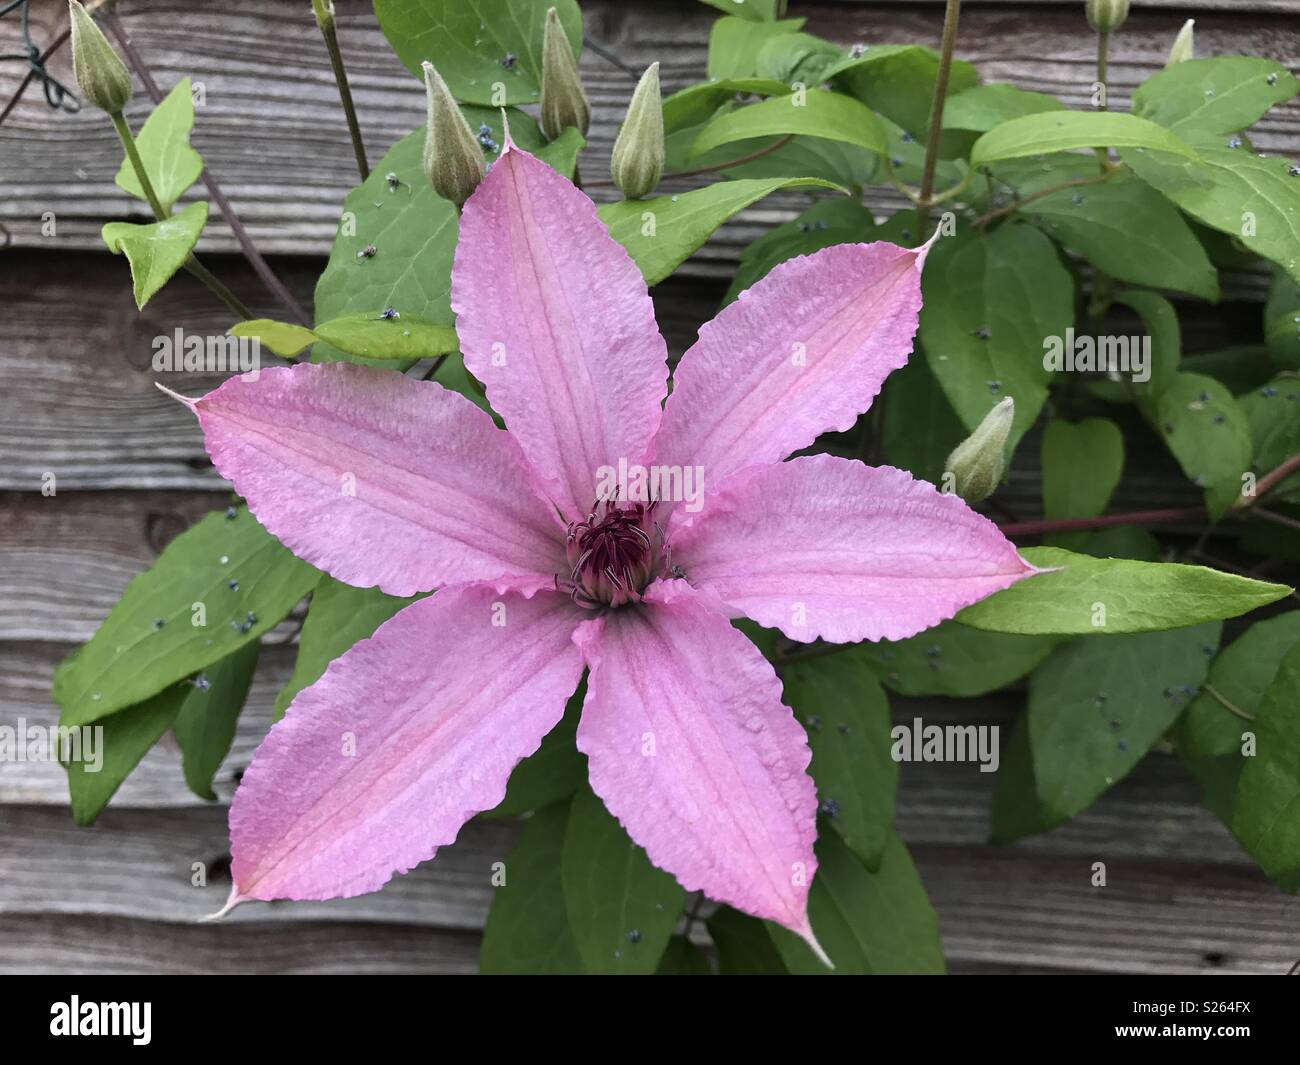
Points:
[(192, 264), (324, 11), (1268, 482), (950, 16), (260, 266), (1227, 704), (985, 219)]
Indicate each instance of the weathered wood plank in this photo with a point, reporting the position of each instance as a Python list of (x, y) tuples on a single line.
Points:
[(1017, 906), (271, 103), (60, 945)]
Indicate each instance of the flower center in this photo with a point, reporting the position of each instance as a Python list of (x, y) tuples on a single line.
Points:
[(613, 554)]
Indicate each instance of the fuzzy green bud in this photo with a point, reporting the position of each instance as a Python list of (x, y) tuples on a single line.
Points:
[(101, 74), (324, 12), (564, 103), (638, 160), (453, 158), (976, 464), (1184, 46), (1106, 16)]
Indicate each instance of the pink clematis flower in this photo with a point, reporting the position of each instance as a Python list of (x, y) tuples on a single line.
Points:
[(382, 480)]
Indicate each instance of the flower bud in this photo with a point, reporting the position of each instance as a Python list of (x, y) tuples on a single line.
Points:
[(453, 159), (324, 12), (1106, 16), (976, 464), (564, 103), (101, 74), (638, 160), (1184, 46)]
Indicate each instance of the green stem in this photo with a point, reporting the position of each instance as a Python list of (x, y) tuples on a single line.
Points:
[(1227, 704), (326, 24), (192, 264), (950, 17)]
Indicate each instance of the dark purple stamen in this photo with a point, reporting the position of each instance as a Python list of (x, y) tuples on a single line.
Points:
[(613, 554)]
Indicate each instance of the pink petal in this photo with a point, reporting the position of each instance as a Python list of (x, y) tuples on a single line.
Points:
[(802, 352), (822, 547), (381, 480), (692, 750), (437, 707), (539, 284)]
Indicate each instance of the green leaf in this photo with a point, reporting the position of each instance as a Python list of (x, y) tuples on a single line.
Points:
[(158, 250), (1120, 541), (985, 106), (826, 222), (1282, 321), (743, 945), (898, 81), (1267, 815), (662, 232), (1082, 463), (879, 922), (697, 103), (750, 10), (126, 737), (921, 428), (206, 723), (281, 338), (339, 616), (812, 113), (1239, 367), (164, 146), (988, 305), (1064, 131), (1208, 434), (1097, 705), (1240, 675), (809, 157), (622, 910), (1115, 596), (1212, 96), (527, 931), (1099, 221), (798, 58), (1256, 200), (553, 772), (846, 714), (468, 40), (952, 659), (374, 337), (226, 572), (683, 958), (1273, 415), (734, 44), (1017, 810)]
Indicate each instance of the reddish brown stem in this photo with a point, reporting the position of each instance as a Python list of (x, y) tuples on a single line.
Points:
[(1137, 517)]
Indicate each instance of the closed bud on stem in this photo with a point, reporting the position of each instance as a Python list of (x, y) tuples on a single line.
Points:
[(101, 74), (564, 103), (1106, 16), (976, 464), (638, 160), (1184, 45), (324, 12), (453, 158)]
